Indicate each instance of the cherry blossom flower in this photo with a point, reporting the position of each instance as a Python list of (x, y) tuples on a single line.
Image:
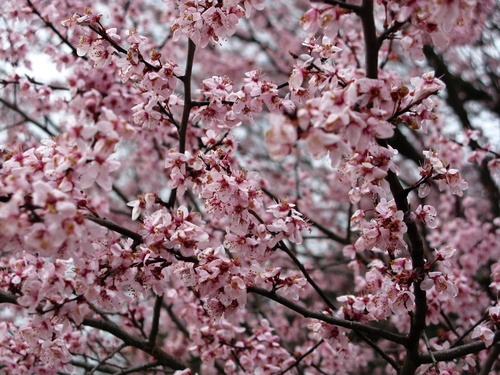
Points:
[(427, 215), (484, 334)]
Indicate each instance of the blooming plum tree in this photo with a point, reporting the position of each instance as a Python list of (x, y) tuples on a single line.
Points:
[(249, 187)]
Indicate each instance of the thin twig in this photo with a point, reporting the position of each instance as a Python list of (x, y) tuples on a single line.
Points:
[(52, 27), (109, 356), (298, 360), (16, 109), (302, 269)]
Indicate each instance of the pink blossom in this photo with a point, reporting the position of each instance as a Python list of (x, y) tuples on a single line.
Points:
[(427, 215), (440, 282), (484, 334)]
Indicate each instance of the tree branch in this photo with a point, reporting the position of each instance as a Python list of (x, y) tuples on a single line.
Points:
[(16, 109), (382, 333), (188, 105), (6, 297), (459, 351), (302, 269), (52, 27), (176, 320), (156, 321), (458, 91), (372, 44), (87, 366), (493, 357), (298, 360), (411, 361), (355, 8), (163, 357), (137, 238)]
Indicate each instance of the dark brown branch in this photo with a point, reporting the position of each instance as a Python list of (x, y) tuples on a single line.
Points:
[(101, 31), (328, 232), (163, 357), (138, 369), (153, 334), (186, 79), (355, 8), (372, 44), (120, 194), (302, 269), (409, 106), (87, 366), (461, 338), (459, 351), (416, 248), (52, 27), (35, 82), (405, 147), (175, 319), (411, 361), (382, 333), (27, 118), (379, 350), (458, 91), (103, 360), (118, 229), (321, 227), (493, 356), (390, 30), (298, 360), (8, 298)]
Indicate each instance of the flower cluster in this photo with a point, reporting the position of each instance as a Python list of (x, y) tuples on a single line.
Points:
[(384, 231), (227, 108), (208, 20), (43, 187), (144, 227), (445, 176)]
